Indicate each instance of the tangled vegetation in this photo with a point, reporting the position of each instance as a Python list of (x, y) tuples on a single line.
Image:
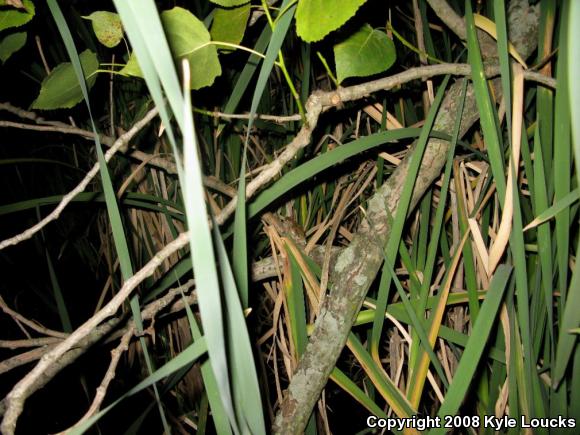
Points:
[(286, 216)]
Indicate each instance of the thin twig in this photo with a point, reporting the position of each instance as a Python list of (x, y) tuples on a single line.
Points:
[(29, 342), (53, 128), (317, 101), (275, 118), (122, 140), (30, 323), (148, 313)]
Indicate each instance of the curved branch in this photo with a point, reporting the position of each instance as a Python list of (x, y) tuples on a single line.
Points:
[(123, 140), (449, 17), (326, 100), (327, 321), (357, 266)]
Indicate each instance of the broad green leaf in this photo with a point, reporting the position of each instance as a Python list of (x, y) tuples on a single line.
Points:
[(317, 18), (132, 67), (229, 25), (107, 27), (11, 44), (61, 89), (188, 38), (230, 3), (364, 53), (12, 17)]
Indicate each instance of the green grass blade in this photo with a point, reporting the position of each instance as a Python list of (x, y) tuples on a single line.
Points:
[(133, 199), (570, 319), (248, 71), (415, 322), (58, 297), (487, 111), (475, 346), (220, 417), (245, 379), (344, 382), (573, 67), (144, 42), (544, 237), (240, 256), (438, 221), (112, 207), (564, 102), (555, 209), (400, 218), (278, 35), (309, 169), (504, 59), (119, 238), (240, 253), (204, 260), (188, 356), (401, 407), (296, 307)]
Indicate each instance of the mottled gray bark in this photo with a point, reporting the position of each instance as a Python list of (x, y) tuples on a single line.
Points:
[(357, 266)]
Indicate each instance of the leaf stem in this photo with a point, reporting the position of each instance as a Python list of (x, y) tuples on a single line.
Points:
[(327, 68), (411, 46)]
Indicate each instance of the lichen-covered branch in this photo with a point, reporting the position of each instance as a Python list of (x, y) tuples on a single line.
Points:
[(356, 267)]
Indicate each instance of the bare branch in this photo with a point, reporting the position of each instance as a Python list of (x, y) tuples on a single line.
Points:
[(326, 100), (19, 318), (67, 359), (274, 118), (449, 17), (30, 342), (124, 139), (18, 395), (148, 313), (23, 358), (358, 264), (66, 129), (316, 103)]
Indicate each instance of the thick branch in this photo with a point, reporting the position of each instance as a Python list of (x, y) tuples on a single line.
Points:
[(356, 267), (449, 17), (327, 320), (326, 100)]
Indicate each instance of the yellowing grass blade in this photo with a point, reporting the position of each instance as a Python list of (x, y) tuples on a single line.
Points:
[(479, 244), (488, 27), (473, 351), (419, 373), (505, 227)]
